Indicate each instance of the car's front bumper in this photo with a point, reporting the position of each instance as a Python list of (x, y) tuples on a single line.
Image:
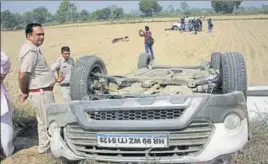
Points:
[(59, 147), (222, 143)]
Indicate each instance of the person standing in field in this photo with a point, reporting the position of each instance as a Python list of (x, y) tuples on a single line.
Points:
[(64, 66), (200, 24), (195, 24), (183, 23), (36, 80), (7, 130), (148, 41), (210, 25)]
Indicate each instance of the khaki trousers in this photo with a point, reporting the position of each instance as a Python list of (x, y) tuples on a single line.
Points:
[(40, 101), (65, 92)]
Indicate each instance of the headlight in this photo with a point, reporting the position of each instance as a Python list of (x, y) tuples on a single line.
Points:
[(232, 122), (52, 128)]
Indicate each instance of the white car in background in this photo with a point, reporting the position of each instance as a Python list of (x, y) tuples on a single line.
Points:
[(188, 24)]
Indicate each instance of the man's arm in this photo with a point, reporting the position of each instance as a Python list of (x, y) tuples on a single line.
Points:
[(141, 33), (55, 66), (26, 68), (72, 62), (24, 78), (149, 34)]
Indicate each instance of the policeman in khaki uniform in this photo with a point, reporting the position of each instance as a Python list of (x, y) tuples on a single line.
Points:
[(36, 80), (64, 66)]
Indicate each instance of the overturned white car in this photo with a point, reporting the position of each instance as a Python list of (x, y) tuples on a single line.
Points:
[(156, 114)]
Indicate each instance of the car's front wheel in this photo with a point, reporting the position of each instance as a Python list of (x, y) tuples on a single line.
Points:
[(82, 78)]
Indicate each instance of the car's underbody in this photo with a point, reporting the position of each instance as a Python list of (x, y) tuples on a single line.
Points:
[(158, 81)]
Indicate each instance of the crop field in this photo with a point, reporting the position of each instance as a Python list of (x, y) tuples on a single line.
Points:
[(249, 37)]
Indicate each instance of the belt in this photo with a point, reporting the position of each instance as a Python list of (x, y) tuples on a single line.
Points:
[(44, 89), (65, 85)]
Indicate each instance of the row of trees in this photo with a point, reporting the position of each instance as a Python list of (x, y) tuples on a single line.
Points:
[(67, 12), (225, 7)]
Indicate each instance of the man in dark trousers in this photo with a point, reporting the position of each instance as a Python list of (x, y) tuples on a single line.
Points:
[(148, 41), (200, 24), (195, 24), (183, 23), (210, 25)]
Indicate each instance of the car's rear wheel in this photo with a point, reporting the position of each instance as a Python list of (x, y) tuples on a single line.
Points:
[(233, 73), (81, 83), (144, 60)]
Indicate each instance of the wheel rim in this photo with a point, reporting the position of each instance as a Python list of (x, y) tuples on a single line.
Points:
[(96, 69)]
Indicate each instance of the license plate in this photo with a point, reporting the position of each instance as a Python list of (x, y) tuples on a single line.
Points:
[(132, 140)]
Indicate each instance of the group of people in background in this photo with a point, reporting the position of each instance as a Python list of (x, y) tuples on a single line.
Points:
[(36, 82), (195, 24)]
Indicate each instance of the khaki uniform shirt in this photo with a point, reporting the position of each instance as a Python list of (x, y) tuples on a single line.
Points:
[(63, 67), (32, 61)]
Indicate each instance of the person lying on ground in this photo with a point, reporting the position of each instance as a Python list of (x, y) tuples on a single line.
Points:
[(126, 38)]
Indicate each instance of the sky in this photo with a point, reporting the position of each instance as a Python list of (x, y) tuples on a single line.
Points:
[(52, 6)]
